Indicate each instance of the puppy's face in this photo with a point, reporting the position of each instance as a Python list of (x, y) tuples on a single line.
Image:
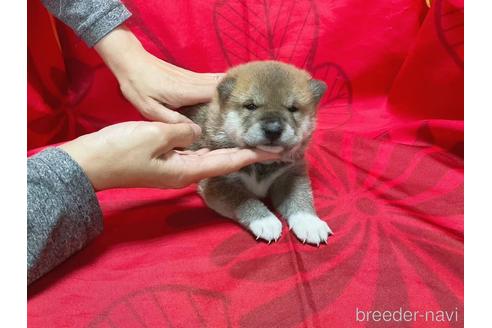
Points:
[(269, 105)]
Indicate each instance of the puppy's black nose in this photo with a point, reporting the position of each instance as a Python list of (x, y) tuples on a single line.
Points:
[(272, 128)]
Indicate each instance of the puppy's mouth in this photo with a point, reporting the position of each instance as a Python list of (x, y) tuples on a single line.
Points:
[(276, 147), (270, 146), (271, 149), (268, 138)]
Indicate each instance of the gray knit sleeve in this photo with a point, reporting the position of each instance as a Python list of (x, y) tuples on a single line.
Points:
[(63, 214), (90, 19)]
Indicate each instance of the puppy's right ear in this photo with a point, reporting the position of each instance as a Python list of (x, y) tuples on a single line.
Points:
[(318, 89), (225, 88)]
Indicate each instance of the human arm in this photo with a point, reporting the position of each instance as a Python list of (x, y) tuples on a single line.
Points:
[(63, 213), (155, 87), (144, 154), (90, 20), (152, 85)]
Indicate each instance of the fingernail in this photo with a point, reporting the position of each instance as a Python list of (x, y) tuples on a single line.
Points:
[(197, 130)]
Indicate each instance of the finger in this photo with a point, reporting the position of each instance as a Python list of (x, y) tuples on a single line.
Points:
[(204, 151), (193, 152), (200, 94), (201, 151), (204, 86), (215, 77), (207, 151), (223, 151), (155, 111), (224, 163), (168, 66), (178, 135), (184, 152), (207, 78)]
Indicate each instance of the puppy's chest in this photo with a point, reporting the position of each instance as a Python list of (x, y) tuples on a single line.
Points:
[(258, 178)]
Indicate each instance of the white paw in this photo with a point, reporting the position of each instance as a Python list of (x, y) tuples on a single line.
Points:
[(309, 228), (268, 228)]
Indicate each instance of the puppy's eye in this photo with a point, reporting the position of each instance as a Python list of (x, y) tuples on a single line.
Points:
[(250, 106), (293, 109)]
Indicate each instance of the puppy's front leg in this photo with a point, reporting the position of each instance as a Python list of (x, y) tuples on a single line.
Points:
[(292, 196), (229, 198)]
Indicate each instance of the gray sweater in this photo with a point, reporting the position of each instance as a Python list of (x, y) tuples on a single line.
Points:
[(63, 214), (90, 19)]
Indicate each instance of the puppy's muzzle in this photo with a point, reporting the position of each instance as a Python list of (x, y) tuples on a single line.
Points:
[(272, 128)]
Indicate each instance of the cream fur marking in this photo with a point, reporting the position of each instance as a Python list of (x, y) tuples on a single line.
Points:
[(233, 127), (307, 127), (259, 188)]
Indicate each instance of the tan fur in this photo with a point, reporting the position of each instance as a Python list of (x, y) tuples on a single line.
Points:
[(284, 100), (293, 85)]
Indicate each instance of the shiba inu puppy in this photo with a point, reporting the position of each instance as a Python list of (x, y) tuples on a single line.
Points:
[(270, 106)]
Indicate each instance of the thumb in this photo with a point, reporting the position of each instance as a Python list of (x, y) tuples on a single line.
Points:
[(178, 135), (155, 111), (214, 78), (204, 88)]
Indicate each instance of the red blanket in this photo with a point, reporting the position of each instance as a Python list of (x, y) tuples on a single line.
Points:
[(386, 165)]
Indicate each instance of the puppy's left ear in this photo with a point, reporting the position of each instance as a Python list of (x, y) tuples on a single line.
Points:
[(318, 89)]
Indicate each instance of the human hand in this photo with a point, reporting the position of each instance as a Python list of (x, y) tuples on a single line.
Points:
[(153, 86), (142, 154)]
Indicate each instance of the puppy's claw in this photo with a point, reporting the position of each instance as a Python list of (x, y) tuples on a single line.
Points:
[(257, 237)]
